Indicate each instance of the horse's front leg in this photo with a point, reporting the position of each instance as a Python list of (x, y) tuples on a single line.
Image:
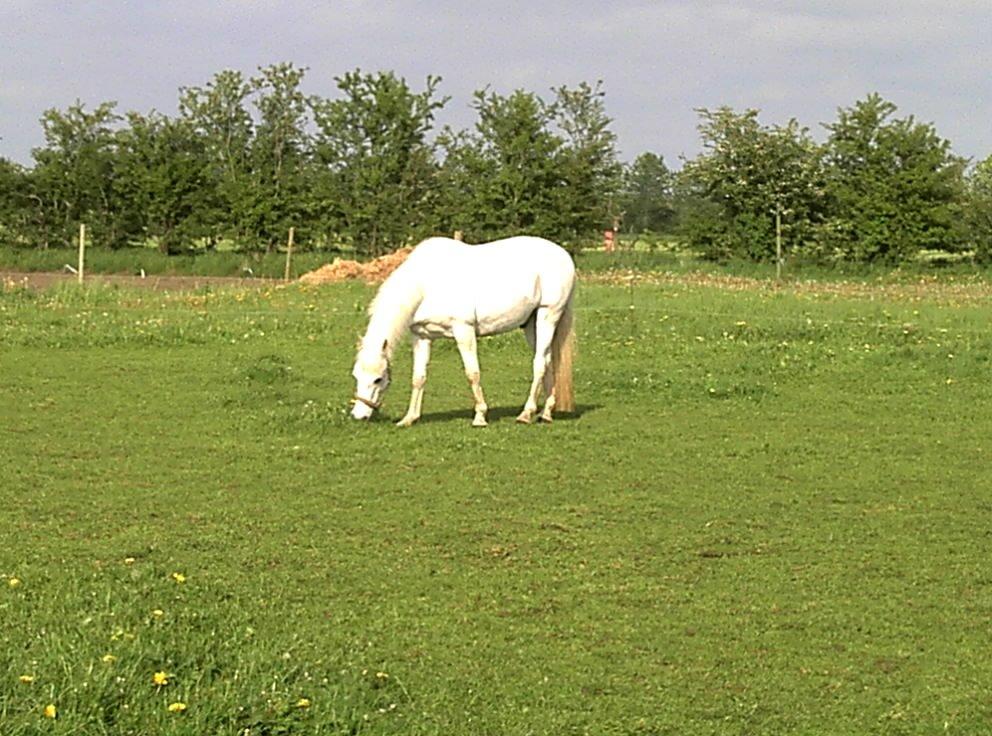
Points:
[(464, 335), (421, 357), (540, 339)]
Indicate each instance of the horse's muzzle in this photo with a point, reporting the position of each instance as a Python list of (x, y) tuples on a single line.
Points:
[(363, 408)]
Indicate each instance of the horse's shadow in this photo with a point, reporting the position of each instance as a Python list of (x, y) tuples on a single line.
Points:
[(501, 413)]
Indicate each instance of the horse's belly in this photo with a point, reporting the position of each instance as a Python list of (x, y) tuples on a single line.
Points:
[(494, 319)]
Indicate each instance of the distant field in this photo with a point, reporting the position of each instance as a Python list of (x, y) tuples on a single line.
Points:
[(641, 255), (770, 515)]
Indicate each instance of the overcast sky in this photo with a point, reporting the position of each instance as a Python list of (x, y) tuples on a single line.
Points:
[(658, 60)]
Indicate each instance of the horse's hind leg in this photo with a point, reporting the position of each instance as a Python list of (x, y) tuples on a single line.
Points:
[(530, 333), (465, 339), (421, 357), (544, 332)]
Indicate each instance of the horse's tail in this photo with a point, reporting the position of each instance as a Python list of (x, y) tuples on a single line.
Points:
[(562, 355)]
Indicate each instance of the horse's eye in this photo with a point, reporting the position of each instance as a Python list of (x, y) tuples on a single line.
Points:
[(377, 381)]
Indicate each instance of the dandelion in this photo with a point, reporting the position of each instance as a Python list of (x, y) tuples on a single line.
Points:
[(128, 560), (177, 707), (26, 679), (303, 703), (179, 577), (160, 678), (381, 676), (108, 658), (14, 582), (50, 711), (158, 613)]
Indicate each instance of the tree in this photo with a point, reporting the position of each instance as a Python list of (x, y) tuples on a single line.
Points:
[(15, 203), (162, 176), (590, 171), (73, 174), (647, 195), (218, 116), (504, 177), (978, 210), (747, 174), (277, 153), (893, 185), (375, 166)]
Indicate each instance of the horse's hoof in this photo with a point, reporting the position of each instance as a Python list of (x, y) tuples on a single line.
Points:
[(523, 419), (480, 422), (546, 418), (405, 422)]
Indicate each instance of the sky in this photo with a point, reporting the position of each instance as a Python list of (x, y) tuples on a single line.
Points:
[(658, 61)]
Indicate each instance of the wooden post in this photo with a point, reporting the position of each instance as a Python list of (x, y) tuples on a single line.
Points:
[(289, 253), (778, 244), (82, 252), (459, 235)]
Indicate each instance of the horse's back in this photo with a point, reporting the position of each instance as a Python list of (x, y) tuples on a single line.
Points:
[(495, 286), (512, 260)]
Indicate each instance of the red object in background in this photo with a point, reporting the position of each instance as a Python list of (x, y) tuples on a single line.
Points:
[(609, 240)]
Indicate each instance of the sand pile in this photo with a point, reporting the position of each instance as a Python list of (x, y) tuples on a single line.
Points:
[(372, 271)]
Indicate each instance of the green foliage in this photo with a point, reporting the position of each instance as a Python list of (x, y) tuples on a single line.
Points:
[(15, 203), (531, 166), (647, 195), (748, 173), (978, 210), (503, 177), (218, 115), (162, 181), (374, 166), (588, 165), (893, 184), (278, 155), (248, 158), (73, 175)]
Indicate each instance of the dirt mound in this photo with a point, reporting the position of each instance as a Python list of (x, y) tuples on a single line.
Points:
[(371, 272)]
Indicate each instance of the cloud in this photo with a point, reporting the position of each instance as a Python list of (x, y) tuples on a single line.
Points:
[(659, 59)]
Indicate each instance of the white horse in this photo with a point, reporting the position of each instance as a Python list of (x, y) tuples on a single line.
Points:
[(446, 288)]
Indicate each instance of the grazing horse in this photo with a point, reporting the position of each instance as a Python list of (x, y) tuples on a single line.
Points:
[(446, 288)]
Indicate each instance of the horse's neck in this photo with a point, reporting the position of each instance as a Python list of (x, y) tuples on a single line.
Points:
[(392, 313)]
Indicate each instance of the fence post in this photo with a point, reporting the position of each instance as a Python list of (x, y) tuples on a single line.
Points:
[(82, 252), (459, 235), (778, 244), (289, 253)]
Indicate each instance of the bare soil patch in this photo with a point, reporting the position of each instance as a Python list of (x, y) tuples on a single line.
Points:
[(47, 279)]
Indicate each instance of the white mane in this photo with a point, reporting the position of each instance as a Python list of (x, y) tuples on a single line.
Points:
[(391, 311)]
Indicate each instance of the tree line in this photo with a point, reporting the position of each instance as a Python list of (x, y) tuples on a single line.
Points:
[(248, 157)]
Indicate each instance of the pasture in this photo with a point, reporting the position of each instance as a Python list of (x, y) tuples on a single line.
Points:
[(770, 514)]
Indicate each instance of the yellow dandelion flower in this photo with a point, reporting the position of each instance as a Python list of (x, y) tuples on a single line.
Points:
[(179, 577), (161, 678), (109, 658), (177, 707), (381, 676), (14, 582), (158, 613), (50, 711), (303, 703), (26, 679), (128, 560)]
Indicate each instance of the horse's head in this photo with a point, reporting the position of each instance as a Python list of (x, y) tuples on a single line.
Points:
[(371, 374)]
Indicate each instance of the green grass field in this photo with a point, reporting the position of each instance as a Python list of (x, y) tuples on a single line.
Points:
[(771, 514)]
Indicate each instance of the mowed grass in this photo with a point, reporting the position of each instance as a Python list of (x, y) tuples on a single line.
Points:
[(771, 514)]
